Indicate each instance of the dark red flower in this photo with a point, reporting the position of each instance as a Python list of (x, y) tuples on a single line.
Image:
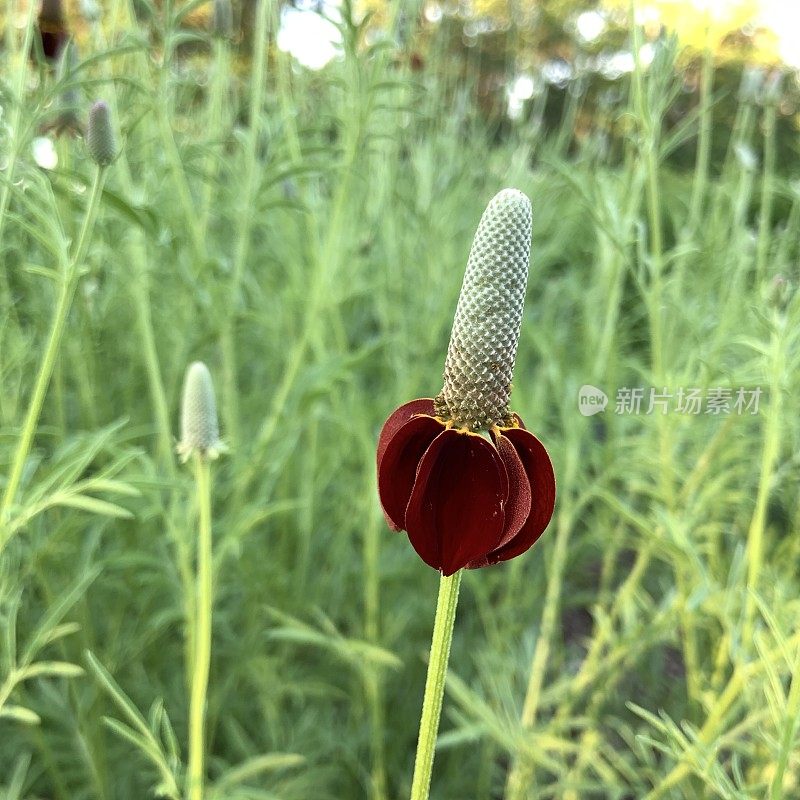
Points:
[(460, 473), (464, 500)]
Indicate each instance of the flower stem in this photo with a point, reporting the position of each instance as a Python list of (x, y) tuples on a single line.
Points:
[(434, 684), (202, 634)]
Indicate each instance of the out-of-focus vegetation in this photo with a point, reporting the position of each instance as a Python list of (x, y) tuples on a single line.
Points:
[(305, 233), (560, 63)]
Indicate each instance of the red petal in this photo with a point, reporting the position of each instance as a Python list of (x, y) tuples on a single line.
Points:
[(518, 505), (539, 470), (399, 417), (400, 448), (455, 513)]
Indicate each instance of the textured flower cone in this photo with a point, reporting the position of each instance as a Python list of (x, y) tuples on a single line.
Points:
[(483, 345), (199, 425), (100, 136), (465, 499)]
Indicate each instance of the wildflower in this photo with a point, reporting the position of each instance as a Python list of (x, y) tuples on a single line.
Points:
[(100, 136), (460, 473), (199, 425)]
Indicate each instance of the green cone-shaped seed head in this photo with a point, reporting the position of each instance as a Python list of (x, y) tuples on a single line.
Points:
[(483, 344), (199, 426), (100, 136)]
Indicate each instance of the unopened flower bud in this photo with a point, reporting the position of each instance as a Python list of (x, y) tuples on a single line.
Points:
[(199, 425), (100, 140)]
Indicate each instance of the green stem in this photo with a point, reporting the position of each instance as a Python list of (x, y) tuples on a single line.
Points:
[(649, 123), (769, 456), (374, 693), (522, 773), (176, 169), (144, 323), (66, 293), (170, 147), (15, 122), (789, 732), (434, 684), (716, 716), (218, 123), (245, 216), (765, 217), (700, 182), (202, 654), (327, 263), (373, 677), (649, 147), (137, 255)]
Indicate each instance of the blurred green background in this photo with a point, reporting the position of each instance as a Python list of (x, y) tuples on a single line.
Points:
[(304, 232)]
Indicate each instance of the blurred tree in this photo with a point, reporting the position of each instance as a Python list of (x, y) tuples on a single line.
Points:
[(574, 56)]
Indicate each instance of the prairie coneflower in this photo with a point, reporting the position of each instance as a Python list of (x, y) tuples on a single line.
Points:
[(200, 441), (460, 473)]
